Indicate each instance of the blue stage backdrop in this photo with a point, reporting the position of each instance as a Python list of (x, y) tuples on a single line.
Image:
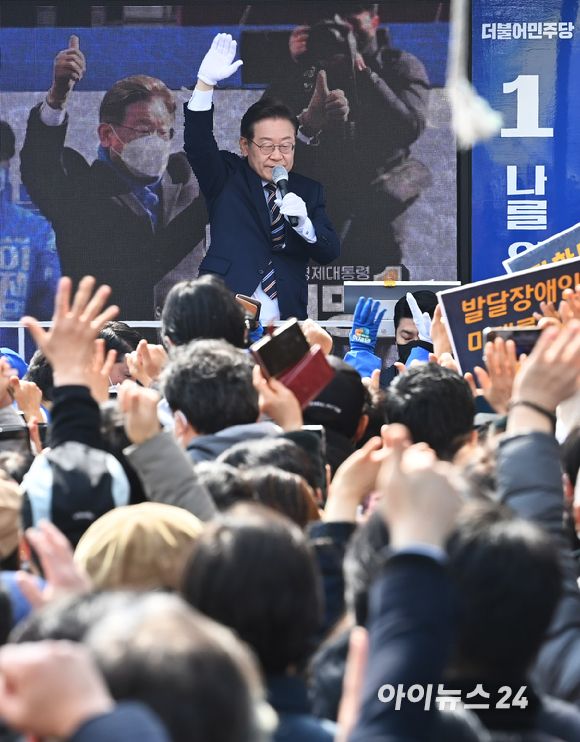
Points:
[(526, 180)]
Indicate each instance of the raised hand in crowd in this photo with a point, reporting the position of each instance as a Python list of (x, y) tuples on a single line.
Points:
[(139, 406), (570, 305), (99, 371), (61, 573), (6, 373), (28, 397), (548, 315), (69, 67), (146, 363), (439, 335), (496, 383), (317, 335), (356, 478), (277, 401), (50, 689), (69, 344), (549, 376)]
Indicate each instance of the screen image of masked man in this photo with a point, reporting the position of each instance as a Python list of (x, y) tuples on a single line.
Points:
[(29, 267), (132, 215), (363, 103)]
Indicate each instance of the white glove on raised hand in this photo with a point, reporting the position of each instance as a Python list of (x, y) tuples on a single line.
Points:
[(422, 321), (293, 205), (217, 63)]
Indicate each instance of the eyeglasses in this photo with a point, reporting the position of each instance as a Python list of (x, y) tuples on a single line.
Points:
[(268, 149), (166, 134)]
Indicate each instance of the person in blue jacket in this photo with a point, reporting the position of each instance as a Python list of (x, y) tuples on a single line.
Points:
[(29, 264)]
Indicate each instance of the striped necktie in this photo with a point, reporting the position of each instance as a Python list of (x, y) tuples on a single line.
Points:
[(278, 235)]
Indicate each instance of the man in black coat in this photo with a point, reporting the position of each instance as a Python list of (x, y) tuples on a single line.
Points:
[(133, 214)]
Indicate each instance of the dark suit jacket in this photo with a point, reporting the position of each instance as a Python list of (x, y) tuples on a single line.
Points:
[(101, 227), (241, 242), (414, 611)]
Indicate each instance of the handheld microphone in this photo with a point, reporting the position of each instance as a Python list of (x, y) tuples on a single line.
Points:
[(280, 178)]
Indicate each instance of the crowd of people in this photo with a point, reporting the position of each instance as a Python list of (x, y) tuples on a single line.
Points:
[(187, 554)]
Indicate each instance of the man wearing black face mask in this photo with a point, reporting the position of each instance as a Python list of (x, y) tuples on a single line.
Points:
[(412, 333), (132, 215), (406, 331)]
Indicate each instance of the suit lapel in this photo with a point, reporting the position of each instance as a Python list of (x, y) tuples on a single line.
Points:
[(258, 199)]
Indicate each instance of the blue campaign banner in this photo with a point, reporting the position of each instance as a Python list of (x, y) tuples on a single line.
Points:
[(562, 246), (526, 180)]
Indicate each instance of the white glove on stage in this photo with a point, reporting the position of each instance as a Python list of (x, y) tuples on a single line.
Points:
[(217, 63), (293, 205), (422, 321)]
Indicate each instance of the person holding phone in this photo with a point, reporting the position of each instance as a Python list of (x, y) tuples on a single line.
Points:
[(261, 240)]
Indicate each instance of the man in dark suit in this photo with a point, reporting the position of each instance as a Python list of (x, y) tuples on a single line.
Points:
[(253, 248), (136, 211)]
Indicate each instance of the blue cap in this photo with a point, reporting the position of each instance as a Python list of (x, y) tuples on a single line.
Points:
[(17, 362)]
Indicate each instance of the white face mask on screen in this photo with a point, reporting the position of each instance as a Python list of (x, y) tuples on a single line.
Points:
[(145, 157)]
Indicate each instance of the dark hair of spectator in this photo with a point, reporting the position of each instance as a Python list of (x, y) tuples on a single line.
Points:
[(426, 301), (509, 578), (437, 406), (6, 619), (252, 570), (202, 308), (266, 108), (40, 372), (115, 440), (120, 337), (7, 141), (278, 452), (226, 484), (134, 89), (191, 672), (211, 383), (284, 491), (363, 561)]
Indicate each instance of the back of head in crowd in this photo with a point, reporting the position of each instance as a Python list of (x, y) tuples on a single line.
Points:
[(226, 484), (40, 372), (202, 308), (284, 491), (140, 547), (341, 408), (210, 383), (155, 649), (194, 674), (252, 570), (437, 406), (509, 578), (279, 452)]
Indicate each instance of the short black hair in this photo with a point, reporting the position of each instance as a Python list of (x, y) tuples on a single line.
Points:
[(7, 141), (436, 404), (279, 452), (120, 337), (210, 381), (202, 308), (40, 372), (252, 570), (509, 577), (267, 107), (225, 483), (426, 301)]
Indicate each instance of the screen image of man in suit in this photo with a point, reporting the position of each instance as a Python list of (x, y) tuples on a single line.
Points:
[(136, 211), (253, 246)]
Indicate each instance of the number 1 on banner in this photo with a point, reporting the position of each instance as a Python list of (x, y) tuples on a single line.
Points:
[(527, 88)]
